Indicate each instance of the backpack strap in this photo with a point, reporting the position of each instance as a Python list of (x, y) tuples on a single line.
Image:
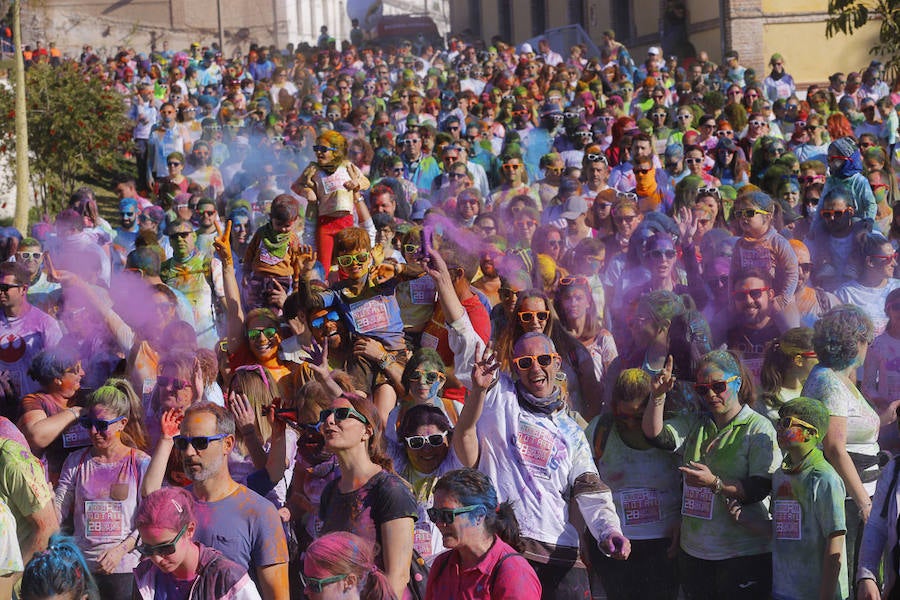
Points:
[(496, 570)]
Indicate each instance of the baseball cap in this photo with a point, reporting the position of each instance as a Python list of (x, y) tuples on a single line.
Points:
[(654, 51), (574, 207)]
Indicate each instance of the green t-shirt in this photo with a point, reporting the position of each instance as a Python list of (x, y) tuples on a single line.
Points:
[(745, 447), (807, 509)]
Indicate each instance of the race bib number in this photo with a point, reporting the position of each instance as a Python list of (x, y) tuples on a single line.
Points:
[(76, 436), (335, 181), (535, 445), (422, 539), (640, 506), (697, 502), (428, 341), (104, 519), (788, 518), (371, 315), (422, 290)]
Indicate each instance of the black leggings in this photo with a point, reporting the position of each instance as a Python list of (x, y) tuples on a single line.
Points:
[(648, 574)]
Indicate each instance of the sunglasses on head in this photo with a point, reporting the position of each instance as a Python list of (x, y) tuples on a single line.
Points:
[(101, 425), (527, 361), (164, 549), (788, 422), (755, 293), (172, 382), (446, 516), (429, 376), (316, 586), (717, 387), (345, 260), (269, 332), (342, 414), (527, 316), (199, 442), (435, 440)]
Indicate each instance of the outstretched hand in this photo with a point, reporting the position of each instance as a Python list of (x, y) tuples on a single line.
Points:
[(485, 368), (170, 422), (318, 356)]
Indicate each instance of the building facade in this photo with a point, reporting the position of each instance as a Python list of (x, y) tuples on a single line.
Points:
[(143, 24), (755, 28)]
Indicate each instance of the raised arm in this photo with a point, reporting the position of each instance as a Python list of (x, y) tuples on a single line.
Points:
[(465, 434), (234, 314), (156, 471)]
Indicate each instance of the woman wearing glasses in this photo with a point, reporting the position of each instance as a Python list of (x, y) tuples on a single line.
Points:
[(99, 487), (841, 338), (342, 564), (483, 537), (174, 565), (729, 456), (49, 418), (368, 498)]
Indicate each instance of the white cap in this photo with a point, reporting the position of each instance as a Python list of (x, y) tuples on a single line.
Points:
[(526, 49), (654, 51)]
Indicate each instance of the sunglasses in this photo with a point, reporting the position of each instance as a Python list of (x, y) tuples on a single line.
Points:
[(319, 322), (805, 267), (127, 215), (788, 422), (884, 257), (507, 293), (755, 293), (717, 387), (594, 158), (660, 254), (446, 516), (757, 123), (172, 382), (345, 260), (720, 281), (808, 179), (527, 316), (410, 142), (836, 158), (707, 191), (627, 196), (316, 586), (342, 414), (834, 214), (725, 133), (527, 361), (165, 549), (29, 255), (101, 425), (173, 164), (199, 442), (320, 148), (435, 440), (749, 213), (429, 376), (511, 166), (684, 117), (269, 332)]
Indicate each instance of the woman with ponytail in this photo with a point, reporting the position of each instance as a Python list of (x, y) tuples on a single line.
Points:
[(483, 537), (368, 498), (786, 365), (346, 562), (58, 573), (99, 486)]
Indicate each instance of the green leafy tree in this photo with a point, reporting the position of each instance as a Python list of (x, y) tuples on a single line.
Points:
[(77, 128), (846, 16)]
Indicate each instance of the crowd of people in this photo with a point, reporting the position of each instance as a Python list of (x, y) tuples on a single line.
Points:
[(483, 322)]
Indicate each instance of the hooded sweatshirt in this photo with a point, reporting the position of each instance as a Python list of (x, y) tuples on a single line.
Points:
[(850, 178), (217, 578)]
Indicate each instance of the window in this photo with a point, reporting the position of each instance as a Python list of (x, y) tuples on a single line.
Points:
[(504, 21), (539, 17)]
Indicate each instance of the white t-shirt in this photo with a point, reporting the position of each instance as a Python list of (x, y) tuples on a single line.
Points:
[(870, 299), (20, 340)]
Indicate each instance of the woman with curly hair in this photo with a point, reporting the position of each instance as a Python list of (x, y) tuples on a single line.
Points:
[(332, 185), (841, 338)]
